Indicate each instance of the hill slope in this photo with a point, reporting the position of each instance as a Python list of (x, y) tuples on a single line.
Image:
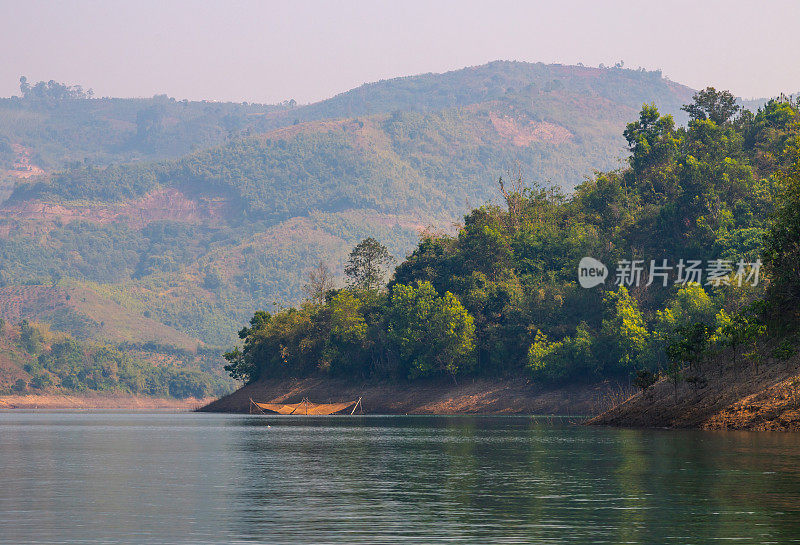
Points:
[(47, 128), (197, 242), (735, 397)]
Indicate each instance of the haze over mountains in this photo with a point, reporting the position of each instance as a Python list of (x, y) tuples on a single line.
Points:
[(181, 218)]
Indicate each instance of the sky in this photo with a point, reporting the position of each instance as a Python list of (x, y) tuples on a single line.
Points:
[(270, 51)]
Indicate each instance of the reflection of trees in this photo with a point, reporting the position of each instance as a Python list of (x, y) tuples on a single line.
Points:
[(478, 478), (704, 485)]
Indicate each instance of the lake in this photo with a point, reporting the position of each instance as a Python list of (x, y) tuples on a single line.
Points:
[(200, 478)]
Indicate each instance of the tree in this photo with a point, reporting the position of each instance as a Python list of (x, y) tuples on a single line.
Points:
[(260, 319), (30, 337), (238, 368), (782, 243), (430, 334), (690, 345), (624, 332), (741, 330), (24, 86), (562, 360), (41, 380), (241, 364), (651, 139), (718, 106), (485, 243), (689, 305), (366, 264), (348, 331), (320, 282)]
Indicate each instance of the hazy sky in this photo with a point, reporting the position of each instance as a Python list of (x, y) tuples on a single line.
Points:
[(268, 51)]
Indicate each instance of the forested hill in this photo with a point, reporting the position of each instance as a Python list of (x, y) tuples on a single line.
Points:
[(108, 203), (499, 80), (426, 145), (52, 124)]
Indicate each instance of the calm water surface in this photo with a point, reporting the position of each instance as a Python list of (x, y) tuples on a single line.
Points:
[(194, 478)]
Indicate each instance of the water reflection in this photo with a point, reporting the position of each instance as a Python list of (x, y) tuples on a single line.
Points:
[(120, 478)]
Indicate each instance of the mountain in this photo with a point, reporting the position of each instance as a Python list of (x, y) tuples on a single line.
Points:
[(51, 125), (196, 240)]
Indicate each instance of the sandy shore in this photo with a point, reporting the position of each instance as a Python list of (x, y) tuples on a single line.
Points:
[(99, 402), (480, 396)]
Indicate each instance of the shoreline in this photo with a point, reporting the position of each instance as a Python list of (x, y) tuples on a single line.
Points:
[(734, 397), (98, 402), (433, 396)]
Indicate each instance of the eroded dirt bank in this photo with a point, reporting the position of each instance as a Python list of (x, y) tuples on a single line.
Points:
[(481, 396), (735, 397)]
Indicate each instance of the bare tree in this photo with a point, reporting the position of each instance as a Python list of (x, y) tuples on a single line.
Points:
[(320, 282), (513, 196)]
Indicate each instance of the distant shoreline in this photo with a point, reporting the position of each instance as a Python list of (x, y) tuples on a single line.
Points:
[(98, 402)]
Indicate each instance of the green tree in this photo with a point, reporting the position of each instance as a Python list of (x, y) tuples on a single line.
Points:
[(367, 263), (742, 329), (782, 244), (651, 139), (624, 332), (689, 305), (41, 380), (260, 320), (30, 337), (431, 334), (570, 358), (348, 330), (718, 106), (690, 345)]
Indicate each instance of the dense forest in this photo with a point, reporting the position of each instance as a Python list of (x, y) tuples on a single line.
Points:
[(501, 296)]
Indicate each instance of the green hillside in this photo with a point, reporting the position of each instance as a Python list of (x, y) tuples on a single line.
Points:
[(385, 149), (58, 124), (191, 243), (497, 80), (35, 359)]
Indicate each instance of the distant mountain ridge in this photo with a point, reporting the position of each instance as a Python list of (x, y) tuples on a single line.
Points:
[(493, 81), (553, 123), (107, 130)]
